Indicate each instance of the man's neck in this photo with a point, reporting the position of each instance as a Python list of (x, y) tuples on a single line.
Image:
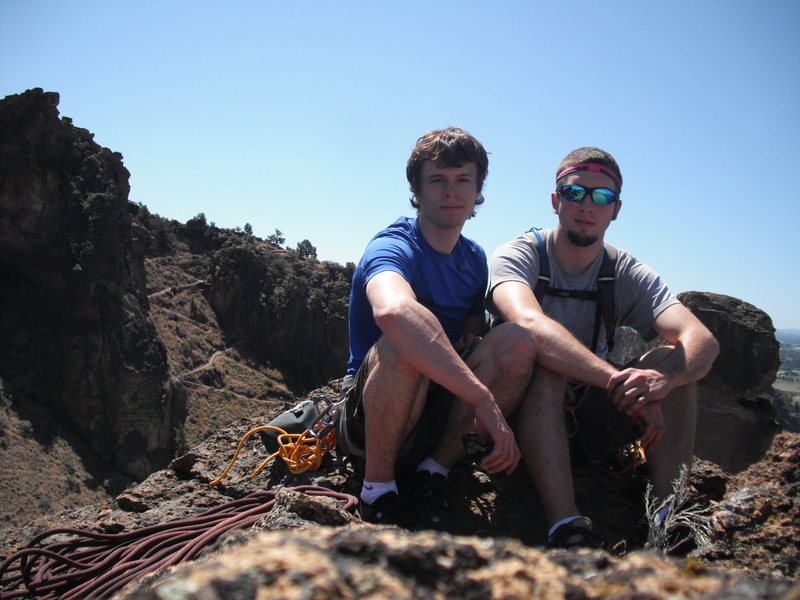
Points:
[(443, 240), (574, 259)]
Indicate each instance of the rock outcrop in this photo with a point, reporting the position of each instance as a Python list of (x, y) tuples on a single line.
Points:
[(287, 308), (749, 352), (76, 337), (369, 562), (305, 545), (734, 402), (731, 400)]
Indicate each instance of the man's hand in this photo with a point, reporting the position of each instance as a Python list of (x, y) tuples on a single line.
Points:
[(467, 343), (631, 389), (505, 455), (638, 393), (651, 422)]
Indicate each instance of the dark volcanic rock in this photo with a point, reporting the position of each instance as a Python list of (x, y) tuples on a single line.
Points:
[(758, 520), (733, 399), (749, 351), (75, 331), (729, 407), (290, 310), (753, 515)]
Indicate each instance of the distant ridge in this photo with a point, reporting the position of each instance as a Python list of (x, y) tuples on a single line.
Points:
[(791, 336)]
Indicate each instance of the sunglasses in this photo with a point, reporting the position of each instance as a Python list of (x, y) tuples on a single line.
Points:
[(576, 193)]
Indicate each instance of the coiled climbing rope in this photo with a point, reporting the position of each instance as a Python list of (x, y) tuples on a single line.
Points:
[(95, 565)]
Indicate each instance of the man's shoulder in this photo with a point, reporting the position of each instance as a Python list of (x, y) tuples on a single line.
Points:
[(403, 227), (524, 241), (625, 261), (401, 232), (471, 246), (613, 248)]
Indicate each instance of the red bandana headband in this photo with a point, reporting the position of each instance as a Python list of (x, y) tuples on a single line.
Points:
[(592, 168)]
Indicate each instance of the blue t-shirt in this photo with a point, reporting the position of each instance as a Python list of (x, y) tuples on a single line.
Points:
[(452, 286)]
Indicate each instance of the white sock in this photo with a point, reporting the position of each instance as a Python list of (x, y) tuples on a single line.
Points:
[(372, 490), (562, 522), (431, 466)]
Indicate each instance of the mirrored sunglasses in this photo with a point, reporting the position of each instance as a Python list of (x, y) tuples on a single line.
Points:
[(576, 193)]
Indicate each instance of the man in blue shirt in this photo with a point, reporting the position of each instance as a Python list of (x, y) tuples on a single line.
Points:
[(417, 308)]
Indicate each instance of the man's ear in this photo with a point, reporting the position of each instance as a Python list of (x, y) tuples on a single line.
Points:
[(617, 207), (554, 202)]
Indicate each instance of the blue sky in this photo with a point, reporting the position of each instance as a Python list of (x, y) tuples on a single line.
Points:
[(300, 116)]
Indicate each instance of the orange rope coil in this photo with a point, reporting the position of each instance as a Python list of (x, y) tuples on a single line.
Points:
[(300, 451)]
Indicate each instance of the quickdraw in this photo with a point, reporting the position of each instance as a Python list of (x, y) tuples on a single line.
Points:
[(300, 451), (626, 459)]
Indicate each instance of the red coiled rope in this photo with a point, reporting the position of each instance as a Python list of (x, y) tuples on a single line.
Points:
[(95, 565)]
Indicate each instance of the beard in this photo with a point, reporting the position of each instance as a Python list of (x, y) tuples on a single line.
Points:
[(582, 241)]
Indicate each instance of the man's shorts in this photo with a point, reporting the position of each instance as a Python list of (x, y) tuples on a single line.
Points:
[(596, 427), (350, 425)]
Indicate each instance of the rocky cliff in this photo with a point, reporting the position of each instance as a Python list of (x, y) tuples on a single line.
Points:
[(76, 337), (129, 337), (126, 336), (296, 309)]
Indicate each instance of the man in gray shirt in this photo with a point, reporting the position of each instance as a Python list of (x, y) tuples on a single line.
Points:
[(657, 395)]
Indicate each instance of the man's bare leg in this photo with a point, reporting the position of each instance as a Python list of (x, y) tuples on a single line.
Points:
[(503, 361), (676, 448), (543, 440), (393, 397)]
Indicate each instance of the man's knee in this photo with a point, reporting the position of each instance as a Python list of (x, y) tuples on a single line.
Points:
[(385, 359), (679, 395), (513, 349), (681, 403), (383, 353), (654, 357)]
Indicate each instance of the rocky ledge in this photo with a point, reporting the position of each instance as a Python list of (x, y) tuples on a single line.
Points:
[(312, 547)]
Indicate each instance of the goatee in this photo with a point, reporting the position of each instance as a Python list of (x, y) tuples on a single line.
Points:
[(579, 240)]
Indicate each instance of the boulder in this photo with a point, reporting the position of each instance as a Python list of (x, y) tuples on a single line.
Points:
[(749, 351), (731, 404), (733, 399), (291, 310)]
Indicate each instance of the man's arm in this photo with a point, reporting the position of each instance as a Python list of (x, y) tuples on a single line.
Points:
[(558, 350), (416, 334), (561, 352), (695, 350)]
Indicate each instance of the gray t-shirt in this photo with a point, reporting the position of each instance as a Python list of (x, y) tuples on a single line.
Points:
[(639, 294)]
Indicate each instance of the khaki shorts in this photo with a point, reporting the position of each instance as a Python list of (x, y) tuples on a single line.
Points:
[(350, 425)]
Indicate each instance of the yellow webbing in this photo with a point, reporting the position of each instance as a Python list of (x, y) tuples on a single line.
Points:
[(300, 451)]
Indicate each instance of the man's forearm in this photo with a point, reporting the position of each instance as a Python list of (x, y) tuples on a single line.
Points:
[(560, 352), (418, 337), (692, 358)]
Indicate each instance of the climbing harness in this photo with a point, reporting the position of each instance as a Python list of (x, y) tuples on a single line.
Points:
[(300, 451), (603, 295), (87, 564)]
